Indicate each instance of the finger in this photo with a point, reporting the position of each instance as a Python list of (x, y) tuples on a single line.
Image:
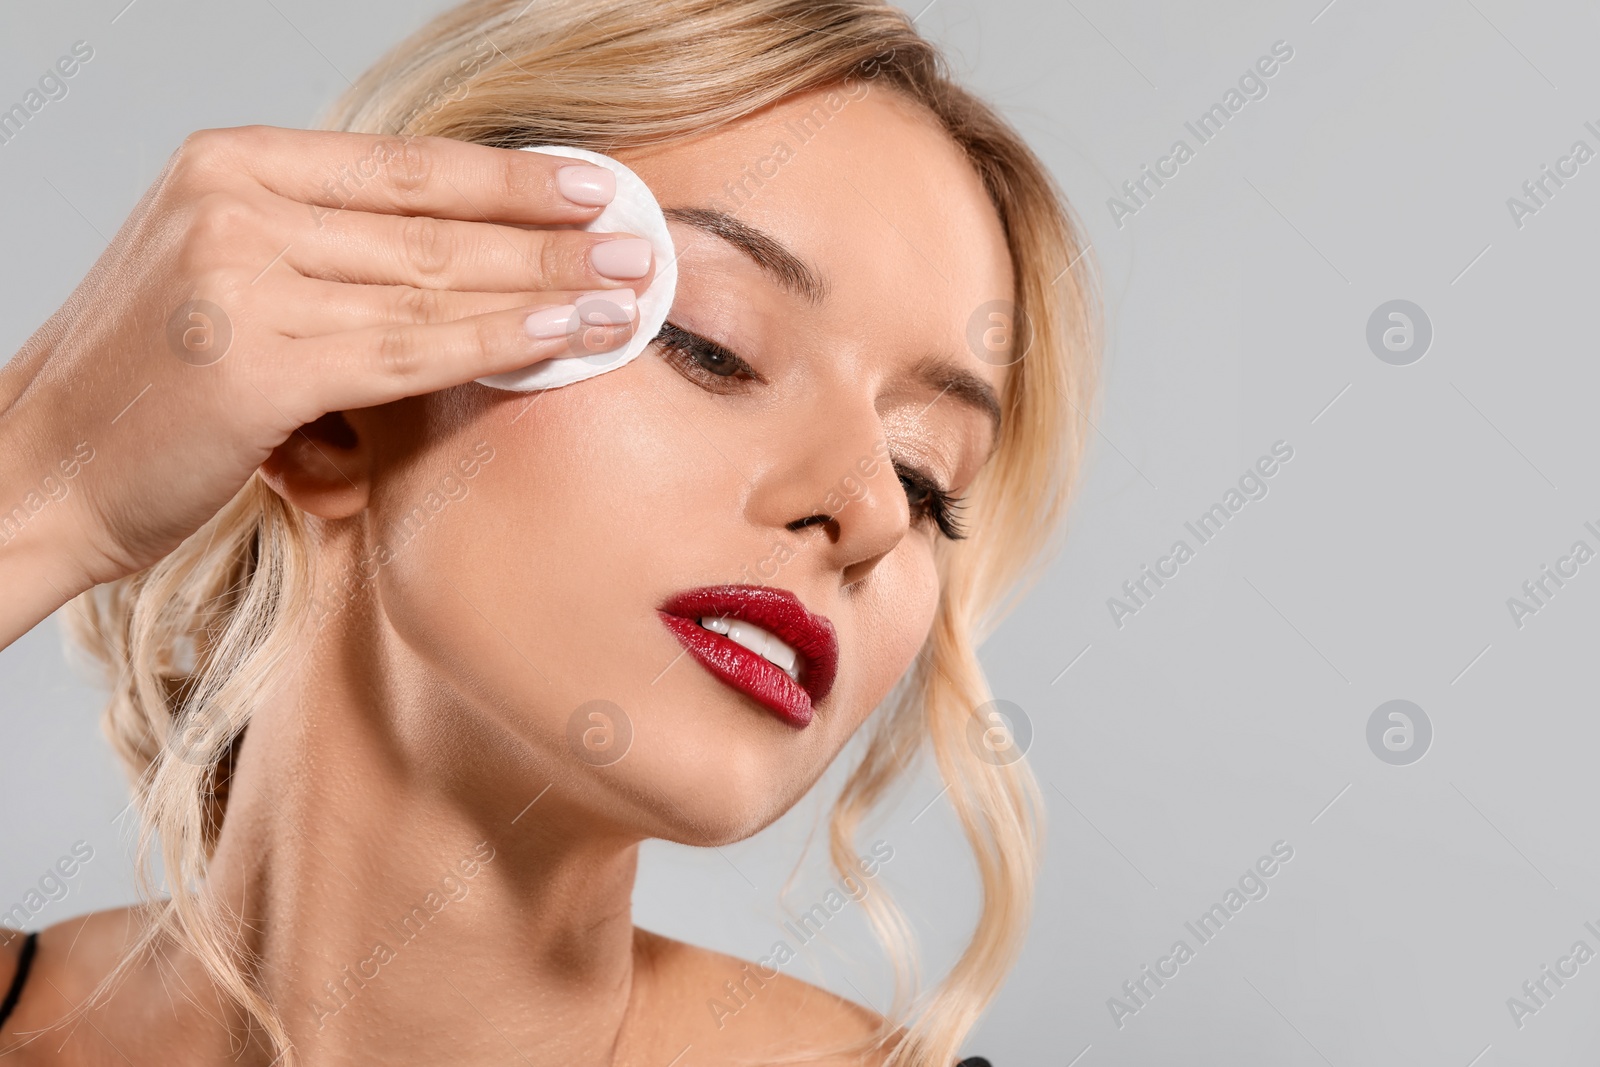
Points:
[(314, 308), (428, 253), (331, 170), (380, 364)]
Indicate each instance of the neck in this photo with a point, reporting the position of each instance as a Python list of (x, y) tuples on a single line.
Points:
[(406, 901)]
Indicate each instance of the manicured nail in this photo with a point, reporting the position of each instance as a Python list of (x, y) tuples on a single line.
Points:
[(558, 321), (586, 185), (608, 307), (625, 257)]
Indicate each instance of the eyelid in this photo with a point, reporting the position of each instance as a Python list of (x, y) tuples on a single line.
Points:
[(680, 343), (921, 473), (706, 344)]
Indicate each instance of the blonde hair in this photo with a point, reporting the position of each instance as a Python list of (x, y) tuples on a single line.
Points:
[(192, 642)]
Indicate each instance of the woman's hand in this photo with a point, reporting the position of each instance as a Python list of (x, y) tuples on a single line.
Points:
[(269, 277)]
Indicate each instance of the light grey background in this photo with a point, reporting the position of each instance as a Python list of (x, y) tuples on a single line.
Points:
[(1231, 711)]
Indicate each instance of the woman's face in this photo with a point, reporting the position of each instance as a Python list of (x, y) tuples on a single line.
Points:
[(533, 541)]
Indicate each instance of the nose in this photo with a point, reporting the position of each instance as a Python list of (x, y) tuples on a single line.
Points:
[(832, 489)]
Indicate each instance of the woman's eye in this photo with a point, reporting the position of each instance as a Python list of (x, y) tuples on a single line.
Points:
[(701, 360), (716, 368), (929, 503), (716, 362)]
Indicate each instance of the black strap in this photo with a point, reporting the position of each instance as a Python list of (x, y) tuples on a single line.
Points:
[(29, 945), (973, 1061)]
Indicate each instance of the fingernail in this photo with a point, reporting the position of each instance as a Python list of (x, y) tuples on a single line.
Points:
[(608, 307), (625, 257), (558, 321), (587, 185)]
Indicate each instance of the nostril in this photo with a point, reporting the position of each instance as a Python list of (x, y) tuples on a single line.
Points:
[(809, 520)]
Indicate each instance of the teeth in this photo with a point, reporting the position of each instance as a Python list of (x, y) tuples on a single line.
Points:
[(756, 640)]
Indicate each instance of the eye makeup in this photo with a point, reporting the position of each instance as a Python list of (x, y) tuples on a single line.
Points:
[(930, 503), (720, 370), (703, 361)]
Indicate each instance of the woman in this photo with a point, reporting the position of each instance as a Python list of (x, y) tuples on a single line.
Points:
[(405, 668)]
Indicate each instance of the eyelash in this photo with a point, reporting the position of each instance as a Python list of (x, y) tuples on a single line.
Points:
[(689, 353), (939, 506)]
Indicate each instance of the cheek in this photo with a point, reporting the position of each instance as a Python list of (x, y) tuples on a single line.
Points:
[(894, 622), (530, 584)]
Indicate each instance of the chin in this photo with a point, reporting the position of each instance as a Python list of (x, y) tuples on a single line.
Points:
[(708, 766)]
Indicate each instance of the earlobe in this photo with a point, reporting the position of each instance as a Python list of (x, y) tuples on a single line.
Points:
[(323, 468)]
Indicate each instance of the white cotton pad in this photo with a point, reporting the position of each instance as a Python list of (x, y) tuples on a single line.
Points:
[(635, 211)]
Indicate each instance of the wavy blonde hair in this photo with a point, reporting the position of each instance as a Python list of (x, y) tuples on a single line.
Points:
[(190, 643)]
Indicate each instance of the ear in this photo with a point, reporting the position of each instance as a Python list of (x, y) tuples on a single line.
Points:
[(323, 468)]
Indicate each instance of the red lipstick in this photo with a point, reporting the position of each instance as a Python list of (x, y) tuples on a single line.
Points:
[(781, 614)]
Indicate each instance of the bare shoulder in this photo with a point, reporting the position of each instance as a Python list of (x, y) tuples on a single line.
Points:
[(70, 959), (732, 1008), (75, 954)]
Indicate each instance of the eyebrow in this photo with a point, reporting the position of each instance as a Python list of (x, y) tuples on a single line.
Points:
[(788, 269), (796, 276), (961, 385)]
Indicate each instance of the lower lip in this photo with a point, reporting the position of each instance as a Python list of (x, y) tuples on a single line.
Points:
[(738, 667)]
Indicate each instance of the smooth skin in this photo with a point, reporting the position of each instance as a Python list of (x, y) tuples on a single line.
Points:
[(432, 707)]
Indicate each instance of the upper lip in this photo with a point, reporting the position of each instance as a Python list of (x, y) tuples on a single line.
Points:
[(781, 614)]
